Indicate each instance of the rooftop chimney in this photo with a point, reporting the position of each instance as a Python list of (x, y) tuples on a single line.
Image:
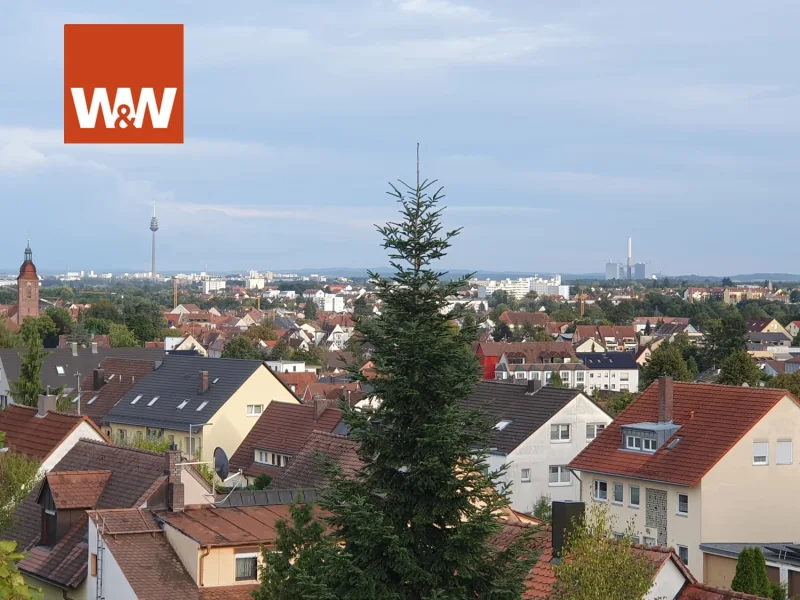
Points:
[(665, 400), (203, 386), (534, 385), (321, 405), (565, 516), (174, 485), (99, 379), (47, 403)]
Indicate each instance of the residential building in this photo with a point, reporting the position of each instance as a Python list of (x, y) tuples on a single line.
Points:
[(185, 309), (612, 337), (490, 353), (615, 371), (329, 302), (767, 325), (62, 367), (199, 404), (783, 563), (184, 344), (685, 461), (521, 287), (286, 366), (43, 434), (255, 283), (640, 323), (669, 331), (537, 433), (518, 319), (212, 286), (280, 433)]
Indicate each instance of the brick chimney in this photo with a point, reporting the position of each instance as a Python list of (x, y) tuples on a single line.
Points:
[(47, 403), (321, 405), (203, 385), (99, 379), (665, 400), (174, 485)]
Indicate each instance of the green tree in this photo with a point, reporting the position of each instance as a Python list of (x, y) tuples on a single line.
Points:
[(543, 509), (691, 363), (119, 336), (41, 327), (61, 318), (107, 310), (789, 382), (96, 325), (751, 573), (303, 556), (418, 519), (18, 476), (143, 317), (262, 482), (158, 445), (498, 298), (28, 387), (602, 566), (281, 351), (738, 369), (12, 584), (665, 360), (541, 335), (361, 308), (502, 332), (526, 331), (310, 357), (726, 336), (616, 403), (242, 347), (8, 338), (555, 381), (310, 309), (263, 331)]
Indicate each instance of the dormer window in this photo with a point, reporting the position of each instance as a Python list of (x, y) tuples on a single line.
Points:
[(647, 437), (633, 442)]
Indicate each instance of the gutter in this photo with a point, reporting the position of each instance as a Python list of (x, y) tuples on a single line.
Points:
[(686, 485), (202, 558)]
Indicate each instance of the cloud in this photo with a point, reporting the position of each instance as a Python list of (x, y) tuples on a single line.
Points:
[(443, 9)]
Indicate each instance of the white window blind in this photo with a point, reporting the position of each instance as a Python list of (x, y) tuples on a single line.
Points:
[(760, 453), (784, 452)]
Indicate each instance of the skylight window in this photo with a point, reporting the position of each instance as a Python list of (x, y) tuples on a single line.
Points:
[(76, 398), (216, 379), (182, 404), (110, 377), (501, 425), (135, 400), (59, 369), (93, 398), (202, 406), (153, 401), (673, 443)]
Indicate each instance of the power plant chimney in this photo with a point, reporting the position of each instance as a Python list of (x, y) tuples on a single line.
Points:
[(154, 228), (630, 258)]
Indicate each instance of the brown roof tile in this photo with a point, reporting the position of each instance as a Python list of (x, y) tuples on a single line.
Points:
[(303, 470), (531, 350), (699, 591), (36, 436), (537, 319), (283, 428), (77, 489), (712, 419), (65, 563)]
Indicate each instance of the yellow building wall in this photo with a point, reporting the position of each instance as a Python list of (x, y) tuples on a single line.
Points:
[(719, 570), (219, 568), (743, 502), (231, 423), (179, 437), (187, 550)]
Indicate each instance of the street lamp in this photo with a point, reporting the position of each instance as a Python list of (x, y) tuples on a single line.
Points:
[(199, 426)]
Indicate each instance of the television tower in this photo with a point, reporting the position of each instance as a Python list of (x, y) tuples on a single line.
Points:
[(154, 228)]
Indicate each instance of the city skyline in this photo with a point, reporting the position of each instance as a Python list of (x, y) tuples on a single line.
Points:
[(556, 130)]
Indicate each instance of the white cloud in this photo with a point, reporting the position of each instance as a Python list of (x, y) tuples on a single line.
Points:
[(443, 9)]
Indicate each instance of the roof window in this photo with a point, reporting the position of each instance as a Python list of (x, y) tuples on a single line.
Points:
[(93, 398), (153, 401), (182, 404), (135, 400), (59, 369), (216, 379), (501, 425), (202, 406)]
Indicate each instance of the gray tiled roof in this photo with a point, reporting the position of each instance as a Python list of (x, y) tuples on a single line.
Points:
[(608, 360), (268, 497), (178, 380), (526, 412), (84, 363)]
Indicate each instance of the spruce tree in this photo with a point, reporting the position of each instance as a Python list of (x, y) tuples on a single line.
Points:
[(417, 521)]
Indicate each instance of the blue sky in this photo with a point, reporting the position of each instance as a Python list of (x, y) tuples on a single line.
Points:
[(557, 129)]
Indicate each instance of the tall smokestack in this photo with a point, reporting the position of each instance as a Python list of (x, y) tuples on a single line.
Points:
[(154, 228), (630, 258)]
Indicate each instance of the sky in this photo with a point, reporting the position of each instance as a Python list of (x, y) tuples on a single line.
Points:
[(557, 129)]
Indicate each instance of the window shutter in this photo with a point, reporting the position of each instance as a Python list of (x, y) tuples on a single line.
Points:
[(784, 453), (761, 449)]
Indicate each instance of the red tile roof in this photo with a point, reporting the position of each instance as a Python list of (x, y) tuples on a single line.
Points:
[(230, 592), (712, 419), (529, 349), (36, 436), (76, 489), (537, 319), (699, 591), (303, 470), (284, 428), (331, 391), (298, 380)]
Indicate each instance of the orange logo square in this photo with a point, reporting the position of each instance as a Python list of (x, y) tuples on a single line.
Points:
[(123, 84)]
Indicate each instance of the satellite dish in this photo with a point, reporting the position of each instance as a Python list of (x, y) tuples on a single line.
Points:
[(221, 466)]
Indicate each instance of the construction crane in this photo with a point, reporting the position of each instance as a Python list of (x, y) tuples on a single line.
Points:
[(582, 297)]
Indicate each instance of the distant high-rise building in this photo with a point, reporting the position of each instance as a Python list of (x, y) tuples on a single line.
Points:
[(154, 228), (614, 270), (641, 271)]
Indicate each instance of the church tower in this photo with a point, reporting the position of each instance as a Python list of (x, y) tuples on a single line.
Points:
[(27, 288)]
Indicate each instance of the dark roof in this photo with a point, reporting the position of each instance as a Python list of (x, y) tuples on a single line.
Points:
[(285, 323), (178, 380), (35, 436), (134, 474), (511, 402), (284, 428), (84, 363), (119, 376), (712, 419), (304, 469), (758, 323), (608, 360), (537, 319), (531, 350), (768, 336), (268, 497)]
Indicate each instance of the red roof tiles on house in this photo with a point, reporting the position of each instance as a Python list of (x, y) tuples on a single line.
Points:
[(303, 470), (76, 489), (699, 591), (516, 319), (35, 436), (712, 419)]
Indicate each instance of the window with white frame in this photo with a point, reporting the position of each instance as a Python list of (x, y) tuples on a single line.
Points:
[(619, 493), (247, 566), (683, 554), (579, 376), (783, 452), (600, 490), (760, 453), (634, 496), (520, 374), (560, 432), (625, 376), (683, 504), (592, 429), (633, 442), (559, 475), (254, 410), (274, 459), (525, 475), (648, 445), (648, 541)]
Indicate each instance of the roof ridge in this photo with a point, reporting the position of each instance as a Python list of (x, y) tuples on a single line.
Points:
[(728, 593), (87, 472), (330, 434), (120, 447)]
